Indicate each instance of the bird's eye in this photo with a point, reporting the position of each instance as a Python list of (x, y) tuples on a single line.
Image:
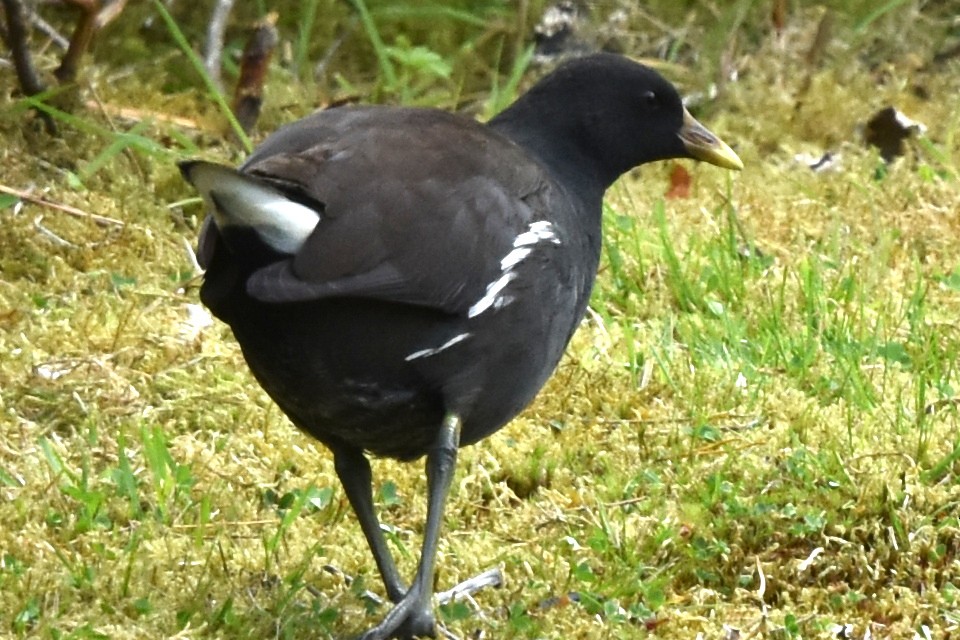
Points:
[(649, 99)]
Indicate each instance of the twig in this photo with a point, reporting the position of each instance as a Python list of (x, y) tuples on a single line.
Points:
[(343, 32), (232, 524), (192, 257), (489, 578), (134, 114), (79, 41), (54, 238), (18, 36), (213, 51), (103, 221), (49, 30), (348, 579), (109, 12), (752, 421), (248, 97), (18, 39), (449, 635)]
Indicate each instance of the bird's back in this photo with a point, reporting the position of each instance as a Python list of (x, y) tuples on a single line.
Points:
[(447, 273)]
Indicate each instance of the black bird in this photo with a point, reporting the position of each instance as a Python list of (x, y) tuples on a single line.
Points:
[(403, 281)]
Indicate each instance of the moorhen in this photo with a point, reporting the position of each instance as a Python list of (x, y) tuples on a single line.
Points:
[(402, 281)]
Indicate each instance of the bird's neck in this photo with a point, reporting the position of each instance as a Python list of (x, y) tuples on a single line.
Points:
[(557, 151)]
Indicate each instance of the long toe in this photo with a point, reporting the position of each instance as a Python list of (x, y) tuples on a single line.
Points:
[(420, 623), (409, 619)]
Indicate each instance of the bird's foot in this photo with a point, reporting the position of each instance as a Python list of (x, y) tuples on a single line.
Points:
[(412, 617)]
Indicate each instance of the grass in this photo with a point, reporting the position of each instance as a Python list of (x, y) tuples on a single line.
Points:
[(756, 426)]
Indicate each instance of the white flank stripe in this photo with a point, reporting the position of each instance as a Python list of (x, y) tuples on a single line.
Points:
[(423, 353), (490, 297), (514, 257), (537, 231)]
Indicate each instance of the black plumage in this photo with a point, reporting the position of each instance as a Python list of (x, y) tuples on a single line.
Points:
[(403, 281)]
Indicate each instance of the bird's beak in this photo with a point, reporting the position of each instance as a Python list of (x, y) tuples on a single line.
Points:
[(701, 144)]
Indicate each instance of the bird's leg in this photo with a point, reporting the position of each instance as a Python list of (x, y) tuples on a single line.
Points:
[(353, 469), (413, 615)]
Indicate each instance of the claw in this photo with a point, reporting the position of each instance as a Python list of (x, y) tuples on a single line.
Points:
[(409, 619)]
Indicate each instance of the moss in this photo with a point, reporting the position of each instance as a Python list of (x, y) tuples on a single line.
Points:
[(787, 385)]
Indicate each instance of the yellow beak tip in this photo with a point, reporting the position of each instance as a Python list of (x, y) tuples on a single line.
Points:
[(703, 145)]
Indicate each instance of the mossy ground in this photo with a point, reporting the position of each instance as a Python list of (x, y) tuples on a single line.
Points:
[(755, 427)]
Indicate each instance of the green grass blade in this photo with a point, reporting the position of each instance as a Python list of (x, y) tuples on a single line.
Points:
[(212, 90), (379, 48)]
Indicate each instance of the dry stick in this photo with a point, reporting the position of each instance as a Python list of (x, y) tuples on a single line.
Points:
[(778, 16), (489, 578), (343, 32), (18, 39), (819, 45), (134, 114), (95, 14), (79, 41), (18, 35), (348, 579), (50, 235), (943, 56), (248, 98), (102, 221), (814, 55), (48, 30), (108, 12), (213, 51)]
